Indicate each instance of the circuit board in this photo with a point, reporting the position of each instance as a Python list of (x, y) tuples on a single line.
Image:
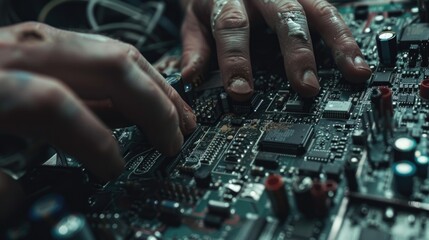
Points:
[(351, 163)]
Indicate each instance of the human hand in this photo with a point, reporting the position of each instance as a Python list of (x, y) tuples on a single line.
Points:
[(53, 81), (228, 22)]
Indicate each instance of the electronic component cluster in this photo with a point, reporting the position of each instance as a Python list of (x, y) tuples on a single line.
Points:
[(352, 163)]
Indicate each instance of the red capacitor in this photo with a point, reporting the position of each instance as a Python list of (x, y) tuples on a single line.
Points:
[(386, 100), (277, 193), (321, 197), (424, 89)]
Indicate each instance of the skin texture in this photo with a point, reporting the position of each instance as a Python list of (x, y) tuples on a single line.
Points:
[(226, 25), (63, 87)]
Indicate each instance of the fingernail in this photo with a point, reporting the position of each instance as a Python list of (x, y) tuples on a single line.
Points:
[(240, 86), (310, 79), (360, 63), (175, 144), (190, 121)]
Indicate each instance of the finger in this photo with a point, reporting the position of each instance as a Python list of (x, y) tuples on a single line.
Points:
[(328, 22), (230, 25), (36, 106), (187, 118), (196, 47), (288, 19), (87, 52), (105, 71), (105, 111)]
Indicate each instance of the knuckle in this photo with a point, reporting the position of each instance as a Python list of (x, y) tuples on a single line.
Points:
[(116, 64), (232, 18), (171, 115), (235, 60), (50, 98), (344, 37), (302, 51), (173, 95), (32, 25), (105, 145), (287, 6), (132, 52), (325, 9), (301, 54), (32, 31)]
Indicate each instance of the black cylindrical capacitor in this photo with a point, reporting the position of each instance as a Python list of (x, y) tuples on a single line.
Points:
[(301, 191), (387, 48), (422, 165), (203, 177), (421, 159), (403, 174), (175, 80), (413, 54), (350, 170), (276, 190), (224, 102), (184, 90), (404, 148), (72, 227)]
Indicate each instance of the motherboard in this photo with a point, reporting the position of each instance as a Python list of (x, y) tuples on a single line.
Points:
[(351, 163)]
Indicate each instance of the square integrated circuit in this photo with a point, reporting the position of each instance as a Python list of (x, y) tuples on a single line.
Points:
[(415, 33), (289, 139), (337, 109)]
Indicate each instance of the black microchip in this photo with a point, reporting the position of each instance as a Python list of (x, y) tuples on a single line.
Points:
[(267, 160), (237, 122), (406, 99), (295, 106), (289, 139), (411, 99), (319, 155), (213, 221), (409, 81), (304, 229), (403, 98), (382, 79), (414, 34), (310, 168), (373, 233)]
